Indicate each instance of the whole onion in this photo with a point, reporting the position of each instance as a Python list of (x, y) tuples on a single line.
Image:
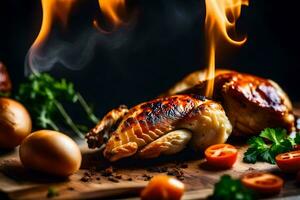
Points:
[(50, 152), (15, 123)]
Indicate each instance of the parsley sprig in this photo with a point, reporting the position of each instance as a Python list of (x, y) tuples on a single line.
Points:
[(230, 189), (277, 142), (43, 95)]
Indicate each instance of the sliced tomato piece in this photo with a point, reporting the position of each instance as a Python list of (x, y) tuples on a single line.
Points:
[(289, 162), (163, 187), (263, 183), (221, 156)]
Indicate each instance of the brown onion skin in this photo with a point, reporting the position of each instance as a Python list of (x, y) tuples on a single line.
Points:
[(15, 123), (50, 152)]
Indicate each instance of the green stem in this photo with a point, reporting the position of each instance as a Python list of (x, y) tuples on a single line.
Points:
[(52, 124), (87, 109), (68, 119)]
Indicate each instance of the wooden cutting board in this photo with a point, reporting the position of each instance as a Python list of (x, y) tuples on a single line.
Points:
[(96, 180)]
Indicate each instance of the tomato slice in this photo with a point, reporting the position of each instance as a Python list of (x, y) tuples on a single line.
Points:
[(221, 156), (263, 183), (163, 187), (289, 162)]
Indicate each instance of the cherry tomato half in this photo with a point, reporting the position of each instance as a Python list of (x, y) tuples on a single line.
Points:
[(163, 187), (221, 155), (289, 162), (263, 183)]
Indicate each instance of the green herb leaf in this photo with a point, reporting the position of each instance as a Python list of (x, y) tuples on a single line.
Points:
[(281, 147), (267, 156), (257, 142), (297, 138), (274, 134), (278, 142), (251, 155), (256, 147), (230, 189), (43, 96)]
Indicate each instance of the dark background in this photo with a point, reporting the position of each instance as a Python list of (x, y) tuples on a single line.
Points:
[(163, 44)]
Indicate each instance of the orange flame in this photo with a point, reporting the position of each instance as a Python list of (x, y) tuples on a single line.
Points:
[(52, 9), (221, 16), (114, 11)]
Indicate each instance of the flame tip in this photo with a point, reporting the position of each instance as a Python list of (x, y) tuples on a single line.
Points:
[(114, 10), (59, 10), (221, 16)]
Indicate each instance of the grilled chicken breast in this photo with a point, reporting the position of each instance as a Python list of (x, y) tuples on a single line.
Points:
[(251, 103), (162, 126)]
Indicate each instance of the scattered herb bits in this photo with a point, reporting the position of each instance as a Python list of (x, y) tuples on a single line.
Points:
[(52, 192)]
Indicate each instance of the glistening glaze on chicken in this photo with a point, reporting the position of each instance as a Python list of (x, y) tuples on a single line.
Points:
[(251, 103), (165, 126)]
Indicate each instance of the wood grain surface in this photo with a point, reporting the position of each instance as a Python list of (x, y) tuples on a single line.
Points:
[(127, 179), (95, 180)]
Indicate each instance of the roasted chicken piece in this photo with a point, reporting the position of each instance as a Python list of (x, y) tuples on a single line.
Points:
[(161, 126), (250, 102), (190, 81)]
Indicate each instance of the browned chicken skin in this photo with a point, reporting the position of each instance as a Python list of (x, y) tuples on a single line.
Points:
[(161, 126), (166, 125), (101, 132), (251, 103)]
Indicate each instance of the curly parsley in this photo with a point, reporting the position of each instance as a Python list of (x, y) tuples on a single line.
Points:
[(230, 189), (277, 142)]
